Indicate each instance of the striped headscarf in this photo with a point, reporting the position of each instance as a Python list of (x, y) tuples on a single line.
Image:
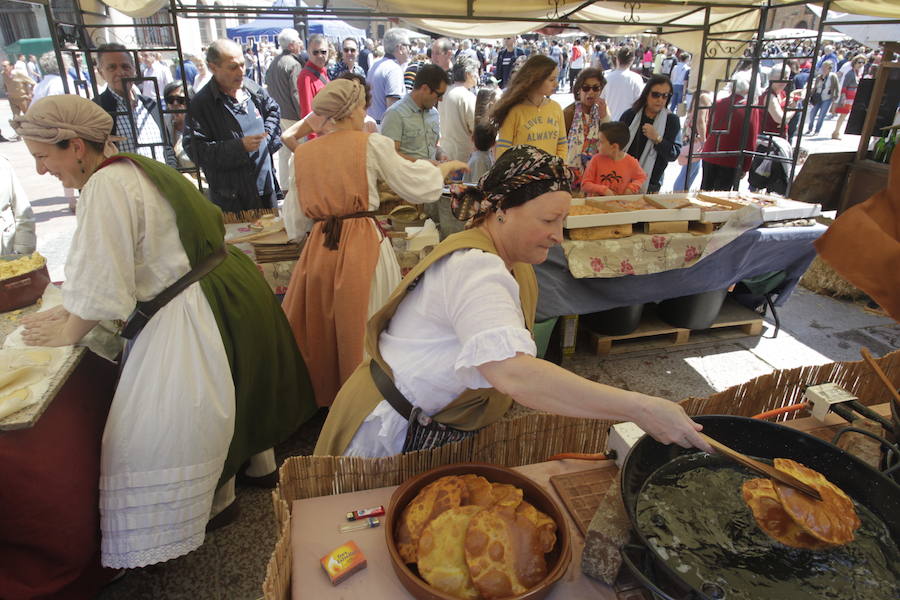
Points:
[(520, 174)]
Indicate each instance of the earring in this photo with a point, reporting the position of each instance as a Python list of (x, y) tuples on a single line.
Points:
[(80, 165), (500, 218)]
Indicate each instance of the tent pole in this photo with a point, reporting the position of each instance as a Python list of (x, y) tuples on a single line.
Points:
[(699, 90), (810, 82), (57, 48), (751, 93)]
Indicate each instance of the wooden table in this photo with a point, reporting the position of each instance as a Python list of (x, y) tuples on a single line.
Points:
[(315, 533)]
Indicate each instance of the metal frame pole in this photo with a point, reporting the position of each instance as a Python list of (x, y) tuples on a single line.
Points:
[(751, 93), (695, 100)]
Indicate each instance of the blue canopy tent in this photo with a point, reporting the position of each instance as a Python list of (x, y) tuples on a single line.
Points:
[(271, 26)]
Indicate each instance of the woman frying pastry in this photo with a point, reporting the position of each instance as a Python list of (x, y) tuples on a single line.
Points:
[(212, 380), (453, 343)]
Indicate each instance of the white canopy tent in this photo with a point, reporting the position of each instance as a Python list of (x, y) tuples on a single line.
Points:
[(791, 34)]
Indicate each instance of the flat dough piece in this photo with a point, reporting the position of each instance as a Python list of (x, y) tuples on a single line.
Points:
[(760, 496), (832, 519), (442, 558), (14, 401), (432, 500), (545, 525), (13, 379), (504, 554)]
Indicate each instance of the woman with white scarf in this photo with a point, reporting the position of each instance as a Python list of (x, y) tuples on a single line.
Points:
[(650, 121)]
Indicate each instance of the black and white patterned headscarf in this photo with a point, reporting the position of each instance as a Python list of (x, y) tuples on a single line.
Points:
[(520, 174)]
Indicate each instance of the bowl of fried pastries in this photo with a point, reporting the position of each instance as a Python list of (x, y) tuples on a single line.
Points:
[(474, 531)]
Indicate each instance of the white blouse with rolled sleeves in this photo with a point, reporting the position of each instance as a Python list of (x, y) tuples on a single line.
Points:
[(465, 312)]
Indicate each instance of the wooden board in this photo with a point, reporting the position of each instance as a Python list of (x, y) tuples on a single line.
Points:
[(665, 227), (582, 492), (669, 207), (607, 232), (734, 321)]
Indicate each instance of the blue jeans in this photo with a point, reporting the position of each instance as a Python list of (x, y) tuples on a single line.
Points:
[(687, 176), (677, 95), (822, 109)]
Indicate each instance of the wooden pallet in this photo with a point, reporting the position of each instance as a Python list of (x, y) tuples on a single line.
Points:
[(734, 321)]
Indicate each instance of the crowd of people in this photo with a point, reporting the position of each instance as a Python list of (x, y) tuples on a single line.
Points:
[(314, 126)]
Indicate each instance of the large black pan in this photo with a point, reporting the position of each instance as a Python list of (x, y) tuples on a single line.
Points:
[(764, 440)]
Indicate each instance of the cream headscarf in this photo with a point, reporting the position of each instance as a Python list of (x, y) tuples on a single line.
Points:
[(53, 119), (338, 99)]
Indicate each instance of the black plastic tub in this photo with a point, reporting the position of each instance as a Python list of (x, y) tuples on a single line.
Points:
[(696, 311), (621, 320)]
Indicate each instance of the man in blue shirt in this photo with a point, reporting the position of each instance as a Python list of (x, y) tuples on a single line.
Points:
[(386, 75), (413, 122)]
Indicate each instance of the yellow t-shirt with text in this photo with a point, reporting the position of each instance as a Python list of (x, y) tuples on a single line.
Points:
[(540, 126)]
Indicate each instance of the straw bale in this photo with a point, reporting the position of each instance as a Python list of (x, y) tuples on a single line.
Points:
[(821, 278)]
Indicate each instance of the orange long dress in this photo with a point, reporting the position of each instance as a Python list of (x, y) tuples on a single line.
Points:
[(328, 296)]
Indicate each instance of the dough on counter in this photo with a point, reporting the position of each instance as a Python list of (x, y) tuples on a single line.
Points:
[(33, 358), (14, 401), (11, 379)]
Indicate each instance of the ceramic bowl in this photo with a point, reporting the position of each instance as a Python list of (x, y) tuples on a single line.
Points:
[(557, 560)]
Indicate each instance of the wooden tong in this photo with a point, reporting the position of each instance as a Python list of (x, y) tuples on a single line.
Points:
[(763, 468)]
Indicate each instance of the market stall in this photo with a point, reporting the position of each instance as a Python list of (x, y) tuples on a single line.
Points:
[(316, 491)]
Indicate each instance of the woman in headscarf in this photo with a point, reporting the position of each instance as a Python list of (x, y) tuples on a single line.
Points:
[(214, 376), (453, 345), (347, 268), (583, 118), (655, 132)]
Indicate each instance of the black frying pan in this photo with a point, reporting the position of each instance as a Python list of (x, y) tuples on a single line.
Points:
[(649, 460)]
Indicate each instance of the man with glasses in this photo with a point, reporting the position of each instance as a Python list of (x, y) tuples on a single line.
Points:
[(347, 61), (313, 76), (386, 75), (136, 118), (413, 122)]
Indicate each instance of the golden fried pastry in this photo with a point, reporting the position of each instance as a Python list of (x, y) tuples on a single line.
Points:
[(503, 552), (433, 499), (760, 496), (506, 495), (545, 525), (832, 519), (441, 553), (480, 490)]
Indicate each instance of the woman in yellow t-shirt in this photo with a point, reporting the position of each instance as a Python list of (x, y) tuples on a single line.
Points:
[(525, 115)]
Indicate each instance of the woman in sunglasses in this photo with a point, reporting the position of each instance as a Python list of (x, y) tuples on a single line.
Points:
[(655, 132), (176, 100), (583, 118), (454, 341)]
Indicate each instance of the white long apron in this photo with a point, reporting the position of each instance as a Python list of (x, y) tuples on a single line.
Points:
[(172, 416)]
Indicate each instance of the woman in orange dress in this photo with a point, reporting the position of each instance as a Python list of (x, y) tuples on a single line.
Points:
[(347, 268)]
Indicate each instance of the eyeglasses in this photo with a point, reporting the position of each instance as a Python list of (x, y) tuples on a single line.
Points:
[(319, 52), (660, 95), (175, 99), (587, 88), (350, 50), (439, 94)]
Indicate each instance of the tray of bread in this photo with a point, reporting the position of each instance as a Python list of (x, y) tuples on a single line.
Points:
[(630, 209), (774, 208)]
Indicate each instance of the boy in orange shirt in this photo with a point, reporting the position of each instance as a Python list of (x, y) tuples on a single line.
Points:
[(612, 171)]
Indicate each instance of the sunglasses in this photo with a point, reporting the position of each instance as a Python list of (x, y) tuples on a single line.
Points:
[(319, 52), (175, 99), (587, 88), (440, 95), (660, 95), (350, 50)]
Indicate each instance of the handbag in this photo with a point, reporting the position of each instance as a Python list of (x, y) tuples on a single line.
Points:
[(422, 432)]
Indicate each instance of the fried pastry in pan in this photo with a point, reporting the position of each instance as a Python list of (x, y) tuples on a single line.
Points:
[(760, 496), (832, 520)]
